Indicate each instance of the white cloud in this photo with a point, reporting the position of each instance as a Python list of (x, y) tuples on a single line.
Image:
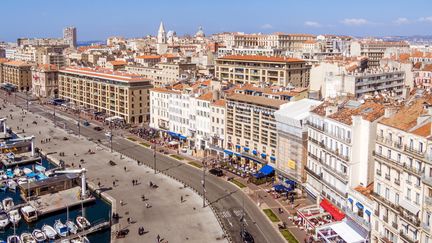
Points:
[(426, 19), (355, 22), (266, 26), (312, 24), (401, 20)]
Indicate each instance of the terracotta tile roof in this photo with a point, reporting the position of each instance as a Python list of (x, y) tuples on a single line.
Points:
[(47, 67), (427, 68), (220, 102), (165, 90), (85, 48), (423, 131), (370, 111), (148, 57), (207, 96), (18, 64), (261, 58), (417, 65), (3, 60), (105, 73), (118, 62), (257, 100), (406, 117), (366, 191)]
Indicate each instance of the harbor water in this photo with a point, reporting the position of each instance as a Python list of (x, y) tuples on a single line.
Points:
[(96, 212)]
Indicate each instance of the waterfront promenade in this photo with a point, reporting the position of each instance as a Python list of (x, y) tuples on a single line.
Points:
[(167, 216)]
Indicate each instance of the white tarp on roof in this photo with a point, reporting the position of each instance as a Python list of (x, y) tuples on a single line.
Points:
[(347, 233)]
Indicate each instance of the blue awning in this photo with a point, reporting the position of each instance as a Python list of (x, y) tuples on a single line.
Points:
[(273, 158), (182, 137), (228, 152), (237, 154), (350, 200), (368, 212), (173, 134), (359, 205), (290, 182), (238, 146), (266, 170), (254, 152), (281, 188), (263, 155), (246, 149)]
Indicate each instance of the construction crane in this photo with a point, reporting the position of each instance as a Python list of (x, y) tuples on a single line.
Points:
[(82, 172)]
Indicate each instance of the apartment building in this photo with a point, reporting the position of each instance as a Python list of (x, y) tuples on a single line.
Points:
[(249, 51), (163, 74), (250, 121), (374, 49), (217, 123), (364, 83), (290, 42), (45, 81), (113, 93), (292, 139), (262, 69), (184, 112), (18, 74), (403, 173), (341, 137)]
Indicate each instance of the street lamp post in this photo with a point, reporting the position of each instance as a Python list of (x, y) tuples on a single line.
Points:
[(154, 157)]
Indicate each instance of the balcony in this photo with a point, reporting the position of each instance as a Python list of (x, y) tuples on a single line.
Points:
[(406, 237), (361, 221), (428, 201), (341, 176), (387, 176), (381, 157), (385, 218), (412, 169), (314, 157), (315, 126), (395, 225), (397, 182), (414, 152), (311, 172), (427, 180), (425, 226), (378, 171)]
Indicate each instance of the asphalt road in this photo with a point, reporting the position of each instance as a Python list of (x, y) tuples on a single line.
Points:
[(226, 198)]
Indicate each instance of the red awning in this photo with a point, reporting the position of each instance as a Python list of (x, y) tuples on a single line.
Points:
[(332, 210)]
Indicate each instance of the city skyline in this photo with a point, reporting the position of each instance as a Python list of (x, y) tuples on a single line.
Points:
[(98, 19)]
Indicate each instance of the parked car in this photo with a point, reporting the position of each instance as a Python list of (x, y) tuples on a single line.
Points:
[(246, 237), (86, 123), (98, 129), (216, 172)]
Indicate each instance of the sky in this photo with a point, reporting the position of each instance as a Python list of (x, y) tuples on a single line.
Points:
[(99, 19)]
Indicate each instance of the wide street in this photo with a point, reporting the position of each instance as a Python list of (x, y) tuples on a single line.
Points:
[(226, 198)]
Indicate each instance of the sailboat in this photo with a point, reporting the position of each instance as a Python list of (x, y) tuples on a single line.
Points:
[(61, 228), (73, 228), (39, 235), (4, 220), (14, 216), (14, 238), (27, 238), (8, 203)]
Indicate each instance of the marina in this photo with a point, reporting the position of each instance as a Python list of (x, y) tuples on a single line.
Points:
[(42, 201)]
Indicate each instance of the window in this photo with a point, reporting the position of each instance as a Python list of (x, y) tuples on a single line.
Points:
[(408, 194), (396, 198), (420, 146), (387, 193), (378, 188), (417, 198)]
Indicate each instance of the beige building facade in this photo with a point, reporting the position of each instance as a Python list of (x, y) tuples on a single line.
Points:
[(113, 93), (18, 74), (262, 69), (45, 81)]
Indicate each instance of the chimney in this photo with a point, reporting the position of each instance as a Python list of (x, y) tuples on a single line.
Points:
[(389, 112), (330, 110)]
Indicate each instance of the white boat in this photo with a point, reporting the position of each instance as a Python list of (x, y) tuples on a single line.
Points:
[(73, 228), (12, 184), (17, 171), (27, 171), (4, 220), (61, 228), (49, 231), (13, 239), (29, 213), (22, 180), (40, 168), (7, 203), (3, 175), (80, 239), (27, 238), (39, 235), (65, 241), (14, 216), (82, 222)]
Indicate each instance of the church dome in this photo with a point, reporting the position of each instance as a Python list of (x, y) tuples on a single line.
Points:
[(200, 32)]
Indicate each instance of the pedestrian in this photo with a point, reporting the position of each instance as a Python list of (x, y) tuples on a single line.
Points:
[(99, 184), (181, 198), (158, 238), (113, 183), (125, 168), (128, 220), (121, 202)]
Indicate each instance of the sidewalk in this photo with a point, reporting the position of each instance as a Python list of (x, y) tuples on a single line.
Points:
[(259, 195)]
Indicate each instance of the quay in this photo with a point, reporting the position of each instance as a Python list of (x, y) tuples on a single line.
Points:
[(20, 160)]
